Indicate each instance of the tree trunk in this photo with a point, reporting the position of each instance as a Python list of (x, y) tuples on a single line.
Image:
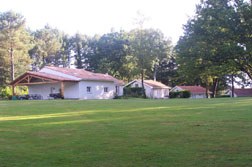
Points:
[(207, 90), (12, 64), (143, 90), (247, 72), (155, 73), (232, 78), (13, 91), (215, 85)]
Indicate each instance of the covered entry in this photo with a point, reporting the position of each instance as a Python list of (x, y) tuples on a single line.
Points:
[(41, 83)]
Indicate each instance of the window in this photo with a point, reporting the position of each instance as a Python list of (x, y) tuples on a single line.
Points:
[(136, 85), (88, 89), (105, 89)]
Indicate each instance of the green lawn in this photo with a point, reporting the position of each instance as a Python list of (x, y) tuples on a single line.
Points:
[(126, 133)]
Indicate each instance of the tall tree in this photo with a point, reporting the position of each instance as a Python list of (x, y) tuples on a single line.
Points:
[(80, 48), (212, 39), (48, 41), (14, 44), (111, 54)]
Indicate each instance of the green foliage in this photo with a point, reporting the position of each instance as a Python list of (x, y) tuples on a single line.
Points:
[(6, 93), (48, 48), (216, 43), (180, 94), (185, 94), (15, 41), (111, 53), (174, 94), (132, 92)]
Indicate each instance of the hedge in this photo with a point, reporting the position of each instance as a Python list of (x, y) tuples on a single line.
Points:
[(180, 94), (132, 92)]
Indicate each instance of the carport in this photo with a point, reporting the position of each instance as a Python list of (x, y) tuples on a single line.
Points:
[(37, 78)]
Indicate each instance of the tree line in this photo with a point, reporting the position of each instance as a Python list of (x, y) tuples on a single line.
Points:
[(125, 55), (215, 49), (217, 43)]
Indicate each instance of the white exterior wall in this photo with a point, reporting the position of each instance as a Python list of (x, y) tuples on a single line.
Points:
[(159, 93), (120, 93), (198, 96), (148, 91), (71, 90), (77, 90), (44, 89), (97, 90)]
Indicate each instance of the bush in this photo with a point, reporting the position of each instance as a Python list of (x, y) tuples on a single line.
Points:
[(132, 92), (6, 93), (185, 94), (180, 94), (174, 94)]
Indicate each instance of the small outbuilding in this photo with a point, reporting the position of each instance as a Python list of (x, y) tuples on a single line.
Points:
[(153, 89), (197, 92), (243, 92)]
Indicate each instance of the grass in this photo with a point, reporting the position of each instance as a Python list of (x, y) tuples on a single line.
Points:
[(126, 133)]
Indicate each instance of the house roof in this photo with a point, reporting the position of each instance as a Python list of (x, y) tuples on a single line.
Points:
[(155, 84), (78, 74), (243, 92), (194, 89), (85, 75), (42, 75), (150, 83)]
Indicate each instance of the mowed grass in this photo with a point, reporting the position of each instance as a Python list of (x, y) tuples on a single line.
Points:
[(126, 133)]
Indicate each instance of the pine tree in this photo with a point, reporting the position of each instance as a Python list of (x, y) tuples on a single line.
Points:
[(14, 44)]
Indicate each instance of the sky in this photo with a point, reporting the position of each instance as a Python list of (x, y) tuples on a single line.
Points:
[(100, 16)]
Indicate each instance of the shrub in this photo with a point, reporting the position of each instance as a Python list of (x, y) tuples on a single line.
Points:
[(180, 94), (185, 94), (174, 94), (6, 93), (132, 92)]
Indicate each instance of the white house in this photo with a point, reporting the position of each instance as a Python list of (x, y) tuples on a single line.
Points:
[(197, 92), (243, 92), (71, 83), (153, 89)]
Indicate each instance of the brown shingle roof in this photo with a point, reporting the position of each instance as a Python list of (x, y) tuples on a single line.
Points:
[(194, 89), (155, 84), (85, 75)]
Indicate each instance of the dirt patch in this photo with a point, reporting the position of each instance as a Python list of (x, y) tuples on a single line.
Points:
[(2, 139)]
